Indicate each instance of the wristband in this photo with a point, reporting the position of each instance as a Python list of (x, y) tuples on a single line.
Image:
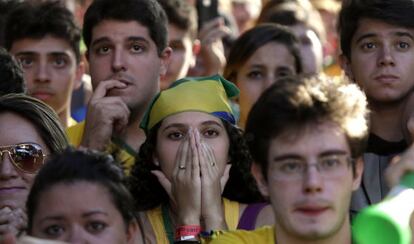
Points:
[(187, 230)]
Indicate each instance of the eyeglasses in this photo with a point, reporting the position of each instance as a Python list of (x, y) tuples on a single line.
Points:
[(27, 157), (329, 166)]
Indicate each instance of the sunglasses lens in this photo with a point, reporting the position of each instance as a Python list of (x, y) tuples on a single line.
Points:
[(28, 157)]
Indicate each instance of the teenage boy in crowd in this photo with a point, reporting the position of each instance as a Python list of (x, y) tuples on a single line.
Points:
[(377, 42), (45, 39), (182, 38), (127, 54), (306, 138)]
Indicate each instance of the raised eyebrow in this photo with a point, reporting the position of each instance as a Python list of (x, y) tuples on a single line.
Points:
[(100, 40), (333, 152), (138, 39), (26, 53), (58, 54), (403, 34), (287, 156), (285, 68), (178, 125), (52, 218), (94, 212), (212, 122), (257, 66), (365, 36)]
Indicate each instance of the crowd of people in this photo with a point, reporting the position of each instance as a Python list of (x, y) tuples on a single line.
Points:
[(193, 121)]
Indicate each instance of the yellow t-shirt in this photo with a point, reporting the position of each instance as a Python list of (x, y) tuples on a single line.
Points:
[(124, 154), (231, 215), (262, 235)]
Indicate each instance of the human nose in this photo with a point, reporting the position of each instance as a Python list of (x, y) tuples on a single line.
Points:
[(312, 179), (77, 235), (270, 79), (385, 56), (118, 63), (7, 170), (42, 72)]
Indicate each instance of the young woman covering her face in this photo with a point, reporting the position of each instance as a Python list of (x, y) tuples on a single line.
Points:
[(194, 167)]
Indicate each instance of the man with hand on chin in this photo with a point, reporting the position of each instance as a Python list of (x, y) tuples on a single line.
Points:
[(127, 54)]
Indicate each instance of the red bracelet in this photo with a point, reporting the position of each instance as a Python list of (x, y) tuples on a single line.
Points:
[(187, 230)]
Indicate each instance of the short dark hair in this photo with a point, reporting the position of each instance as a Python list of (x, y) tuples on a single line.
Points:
[(72, 166), (181, 14), (247, 44), (37, 20), (293, 104), (43, 117), (11, 74), (6, 6), (146, 12), (396, 12), (291, 13)]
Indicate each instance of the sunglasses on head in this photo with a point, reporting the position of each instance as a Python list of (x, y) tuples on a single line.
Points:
[(27, 157)]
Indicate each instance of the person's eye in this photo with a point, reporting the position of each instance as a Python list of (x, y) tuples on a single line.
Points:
[(137, 48), (368, 46), (175, 135), (255, 74), (26, 62), (210, 133), (284, 73), (103, 50), (96, 226), (54, 230), (59, 62), (330, 162), (403, 45), (291, 167)]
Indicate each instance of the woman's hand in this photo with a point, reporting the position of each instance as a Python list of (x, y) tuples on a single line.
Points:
[(185, 186), (12, 220), (211, 187)]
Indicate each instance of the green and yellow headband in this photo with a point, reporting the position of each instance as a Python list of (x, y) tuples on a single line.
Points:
[(204, 94)]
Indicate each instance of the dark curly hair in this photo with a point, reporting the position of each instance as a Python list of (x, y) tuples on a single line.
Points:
[(149, 193)]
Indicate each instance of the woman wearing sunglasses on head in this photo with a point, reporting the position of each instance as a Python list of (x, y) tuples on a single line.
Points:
[(30, 131), (194, 167)]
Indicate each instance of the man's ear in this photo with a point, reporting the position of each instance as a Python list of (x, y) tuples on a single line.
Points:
[(345, 64), (260, 179), (359, 170)]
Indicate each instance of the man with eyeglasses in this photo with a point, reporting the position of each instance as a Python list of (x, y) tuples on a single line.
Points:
[(306, 138)]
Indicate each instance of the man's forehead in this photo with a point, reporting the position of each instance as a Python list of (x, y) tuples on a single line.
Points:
[(311, 139), (379, 28), (119, 30), (45, 45)]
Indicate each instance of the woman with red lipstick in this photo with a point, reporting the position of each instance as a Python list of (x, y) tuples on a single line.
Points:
[(30, 132)]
